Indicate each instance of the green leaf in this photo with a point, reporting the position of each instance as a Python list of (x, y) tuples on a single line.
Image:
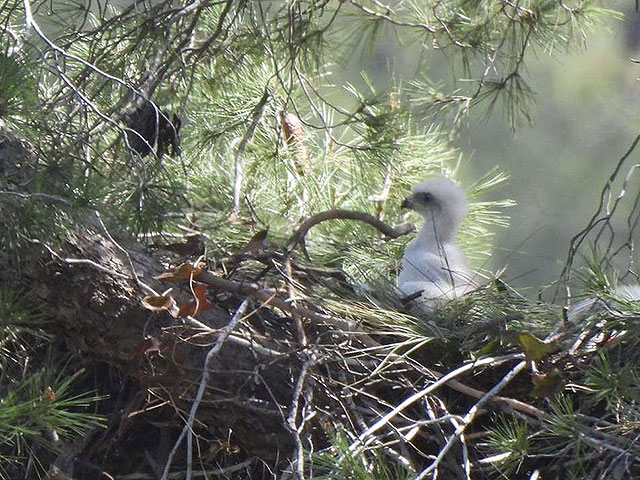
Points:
[(534, 348)]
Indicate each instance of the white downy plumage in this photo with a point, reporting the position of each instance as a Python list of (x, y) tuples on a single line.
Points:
[(433, 263)]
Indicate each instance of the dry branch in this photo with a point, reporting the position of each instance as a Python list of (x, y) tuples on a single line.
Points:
[(270, 297), (187, 429), (338, 214)]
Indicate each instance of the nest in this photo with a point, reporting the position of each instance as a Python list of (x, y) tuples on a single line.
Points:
[(279, 368), (263, 365)]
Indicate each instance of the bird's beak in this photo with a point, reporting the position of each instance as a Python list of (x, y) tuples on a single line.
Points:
[(407, 203)]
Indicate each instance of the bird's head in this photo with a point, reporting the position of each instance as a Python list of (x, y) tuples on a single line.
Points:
[(441, 201)]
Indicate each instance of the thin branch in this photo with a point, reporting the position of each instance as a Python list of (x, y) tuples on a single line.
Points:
[(468, 418), (256, 116), (46, 196), (511, 402), (80, 261), (291, 423), (383, 16), (269, 297), (300, 333), (580, 237), (139, 282), (338, 214), (224, 334), (424, 392)]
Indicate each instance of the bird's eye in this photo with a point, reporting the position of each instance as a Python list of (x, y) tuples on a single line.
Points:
[(424, 197)]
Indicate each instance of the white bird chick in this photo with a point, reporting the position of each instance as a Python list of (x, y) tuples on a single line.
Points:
[(433, 263)]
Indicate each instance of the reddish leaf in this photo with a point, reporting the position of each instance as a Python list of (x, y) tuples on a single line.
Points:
[(200, 291), (186, 309), (199, 303), (183, 271), (189, 308)]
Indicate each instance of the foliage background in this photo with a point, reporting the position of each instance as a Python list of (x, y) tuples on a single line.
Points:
[(582, 119)]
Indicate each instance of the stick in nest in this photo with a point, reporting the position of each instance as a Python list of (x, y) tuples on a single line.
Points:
[(338, 214)]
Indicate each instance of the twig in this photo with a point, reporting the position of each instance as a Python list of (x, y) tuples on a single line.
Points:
[(386, 17), (46, 196), (79, 261), (256, 115), (350, 406), (139, 282), (224, 334), (511, 402), (31, 24), (300, 334), (607, 446), (468, 418), (339, 214), (268, 297), (267, 257), (455, 421), (579, 238), (255, 347), (424, 392), (411, 297), (291, 423)]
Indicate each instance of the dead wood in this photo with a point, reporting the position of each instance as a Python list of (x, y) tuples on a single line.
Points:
[(98, 317)]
